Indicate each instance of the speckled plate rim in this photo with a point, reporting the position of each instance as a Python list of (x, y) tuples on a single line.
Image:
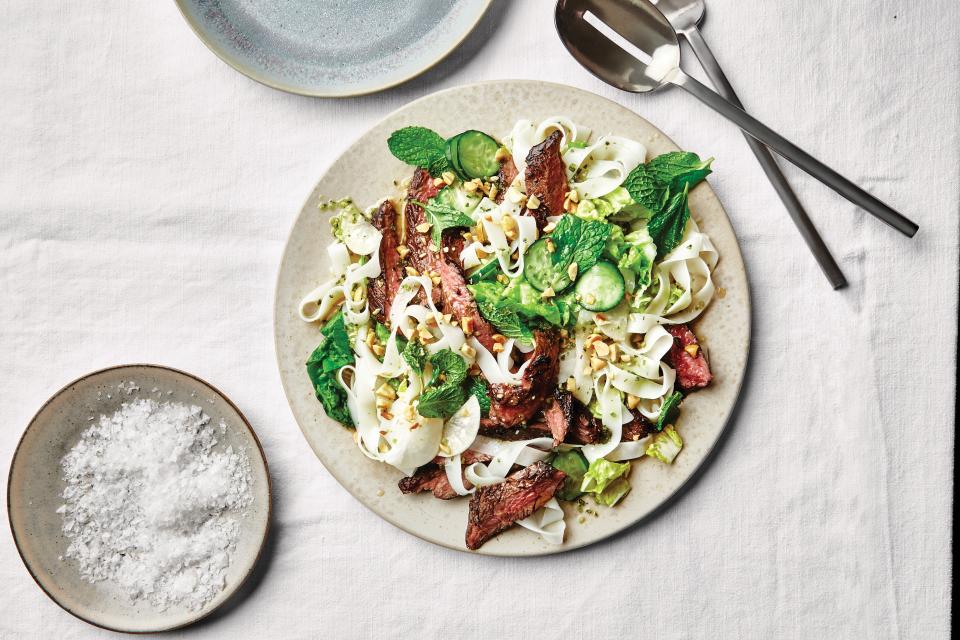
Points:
[(288, 88), (266, 530), (667, 499)]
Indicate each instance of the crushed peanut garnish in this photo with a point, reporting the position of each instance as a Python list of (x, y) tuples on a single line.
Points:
[(533, 202), (468, 351), (467, 325), (572, 270), (601, 348), (548, 293), (692, 349), (550, 246), (497, 347), (499, 338), (448, 177), (493, 192), (413, 273), (596, 363), (437, 182), (571, 384), (550, 227), (403, 251), (502, 154), (632, 401), (423, 227)]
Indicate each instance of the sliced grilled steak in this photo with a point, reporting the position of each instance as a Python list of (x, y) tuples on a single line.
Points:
[(515, 404), (636, 429), (384, 287), (457, 299), (526, 431), (546, 178), (432, 477), (693, 372), (421, 257), (507, 174), (559, 414), (496, 507)]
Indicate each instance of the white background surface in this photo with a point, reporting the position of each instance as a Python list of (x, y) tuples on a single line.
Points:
[(146, 190)]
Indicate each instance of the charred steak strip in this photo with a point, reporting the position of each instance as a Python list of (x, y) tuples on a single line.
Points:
[(432, 477), (526, 431), (384, 287), (495, 508), (546, 178), (636, 429), (457, 299), (558, 415), (507, 174), (421, 257), (693, 371), (514, 404)]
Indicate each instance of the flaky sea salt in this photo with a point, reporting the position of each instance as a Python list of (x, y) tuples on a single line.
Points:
[(151, 504)]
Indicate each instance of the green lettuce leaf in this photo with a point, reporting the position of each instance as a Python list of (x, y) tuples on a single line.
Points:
[(602, 480), (442, 217), (665, 446), (522, 299)]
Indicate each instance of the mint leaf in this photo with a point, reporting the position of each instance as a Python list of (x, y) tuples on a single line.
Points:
[(441, 217), (652, 184), (578, 240), (477, 388), (506, 321), (679, 168), (452, 366), (669, 409), (666, 227), (416, 355), (441, 402), (419, 147)]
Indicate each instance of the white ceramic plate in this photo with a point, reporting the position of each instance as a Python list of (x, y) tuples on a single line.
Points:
[(344, 48), (35, 486), (366, 172)]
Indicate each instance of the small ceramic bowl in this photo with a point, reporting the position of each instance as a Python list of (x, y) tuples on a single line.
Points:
[(35, 486)]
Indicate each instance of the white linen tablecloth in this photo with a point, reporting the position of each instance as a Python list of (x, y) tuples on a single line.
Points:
[(146, 190)]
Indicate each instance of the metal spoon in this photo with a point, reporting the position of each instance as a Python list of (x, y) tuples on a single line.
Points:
[(600, 33), (685, 16)]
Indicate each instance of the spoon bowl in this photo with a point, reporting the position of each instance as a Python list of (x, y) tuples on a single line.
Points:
[(641, 34)]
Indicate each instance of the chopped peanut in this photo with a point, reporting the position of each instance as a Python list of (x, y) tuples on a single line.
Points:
[(572, 384), (403, 251), (472, 186), (692, 349), (614, 353), (632, 401), (437, 182), (550, 246), (602, 349), (378, 349), (448, 177), (423, 227), (589, 298), (468, 351), (499, 338), (548, 293), (533, 202), (572, 270), (412, 272), (502, 154), (493, 192), (550, 227), (467, 325), (596, 363), (436, 280), (497, 347)]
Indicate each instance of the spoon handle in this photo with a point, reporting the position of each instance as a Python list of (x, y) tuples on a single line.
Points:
[(790, 201), (795, 154)]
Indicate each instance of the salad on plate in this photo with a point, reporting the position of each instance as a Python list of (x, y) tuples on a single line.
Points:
[(512, 325)]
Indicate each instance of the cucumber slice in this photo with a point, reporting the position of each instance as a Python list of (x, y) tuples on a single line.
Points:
[(487, 270), (601, 287), (452, 157), (473, 154), (540, 271), (575, 466)]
